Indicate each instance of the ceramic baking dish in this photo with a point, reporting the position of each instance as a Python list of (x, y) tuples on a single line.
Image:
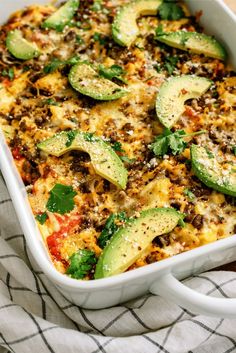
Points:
[(159, 278)]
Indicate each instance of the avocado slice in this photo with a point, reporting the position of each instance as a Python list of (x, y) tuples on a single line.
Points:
[(104, 159), (125, 28), (173, 94), (129, 242), (194, 42), (84, 79), (19, 47), (62, 16), (209, 171)]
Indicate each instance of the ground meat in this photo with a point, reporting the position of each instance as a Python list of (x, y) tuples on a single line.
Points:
[(198, 221)]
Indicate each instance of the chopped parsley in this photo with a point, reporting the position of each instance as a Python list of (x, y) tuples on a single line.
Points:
[(169, 10), (171, 142), (81, 263), (189, 194), (115, 71), (70, 137), (9, 73), (41, 218), (61, 199), (110, 228)]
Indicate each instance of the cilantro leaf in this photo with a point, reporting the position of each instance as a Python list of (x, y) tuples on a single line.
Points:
[(70, 137), (117, 146), (209, 153), (171, 142), (50, 101), (81, 263), (115, 71), (56, 64), (170, 63), (9, 73), (170, 11), (61, 199), (110, 228), (89, 136), (176, 143), (189, 194), (128, 160), (52, 66), (159, 30), (100, 38), (181, 222), (41, 218), (97, 5), (79, 39)]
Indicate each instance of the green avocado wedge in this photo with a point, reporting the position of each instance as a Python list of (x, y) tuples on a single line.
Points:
[(84, 79), (62, 16), (125, 28), (105, 161), (130, 241), (206, 167), (194, 42), (21, 48), (174, 92)]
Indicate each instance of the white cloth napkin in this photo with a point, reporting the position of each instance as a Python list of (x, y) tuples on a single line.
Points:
[(36, 318)]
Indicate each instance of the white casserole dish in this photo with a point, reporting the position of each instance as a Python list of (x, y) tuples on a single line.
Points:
[(159, 278)]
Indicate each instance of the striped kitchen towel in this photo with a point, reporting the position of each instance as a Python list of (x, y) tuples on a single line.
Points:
[(35, 317)]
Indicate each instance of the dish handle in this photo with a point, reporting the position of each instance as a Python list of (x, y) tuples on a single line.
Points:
[(172, 289)]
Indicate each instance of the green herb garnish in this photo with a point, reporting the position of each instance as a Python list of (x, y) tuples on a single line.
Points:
[(168, 10), (115, 71), (98, 37), (159, 30), (9, 73), (170, 64), (56, 64), (127, 159), (50, 101), (117, 146), (189, 194), (41, 218), (61, 199), (181, 222), (70, 137), (171, 142), (89, 136), (110, 228), (234, 150), (209, 153), (97, 5), (81, 263), (79, 39)]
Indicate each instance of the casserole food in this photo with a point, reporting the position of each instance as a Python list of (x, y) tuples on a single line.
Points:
[(111, 281)]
